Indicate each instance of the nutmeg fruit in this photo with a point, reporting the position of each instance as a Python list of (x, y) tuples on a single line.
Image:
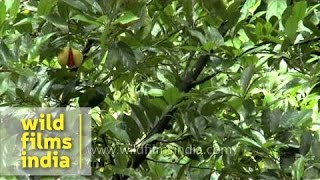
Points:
[(70, 57)]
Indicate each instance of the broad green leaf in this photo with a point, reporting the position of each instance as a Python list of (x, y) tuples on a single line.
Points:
[(315, 149), (155, 92), (293, 118), (127, 55), (132, 128), (187, 7), (299, 10), (298, 168), (139, 115), (291, 27), (87, 19), (4, 82), (246, 78), (63, 9), (276, 8), (249, 142), (214, 36), (108, 123), (78, 5), (2, 12), (249, 8), (126, 18), (120, 134), (113, 56), (298, 13), (5, 54), (159, 103), (45, 6), (198, 35), (258, 137), (270, 120), (57, 21), (120, 53), (13, 7), (305, 142), (172, 95)]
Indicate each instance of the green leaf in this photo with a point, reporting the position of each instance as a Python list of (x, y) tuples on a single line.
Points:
[(4, 82), (214, 36), (113, 56), (2, 12), (276, 8), (108, 123), (78, 5), (132, 128), (120, 51), (57, 21), (155, 92), (172, 95), (127, 55), (139, 115), (258, 137), (248, 141), (246, 78), (291, 25), (187, 7), (315, 149), (298, 168), (299, 10), (249, 8), (45, 6), (293, 118), (198, 35), (305, 142), (5, 54), (87, 19), (120, 134), (13, 8), (126, 18), (270, 120)]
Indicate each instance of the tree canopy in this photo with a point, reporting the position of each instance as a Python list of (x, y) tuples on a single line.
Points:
[(182, 89)]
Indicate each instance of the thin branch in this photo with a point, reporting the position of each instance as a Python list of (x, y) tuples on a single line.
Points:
[(269, 42), (164, 123), (180, 164), (175, 140), (252, 48), (307, 41), (205, 79)]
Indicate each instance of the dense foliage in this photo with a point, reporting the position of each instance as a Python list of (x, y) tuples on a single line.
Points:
[(183, 89)]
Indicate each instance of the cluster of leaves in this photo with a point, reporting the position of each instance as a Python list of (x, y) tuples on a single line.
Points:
[(249, 111)]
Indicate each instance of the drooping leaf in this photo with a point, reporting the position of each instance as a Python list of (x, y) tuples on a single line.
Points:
[(298, 13), (45, 6), (2, 12), (13, 8), (249, 8), (293, 118), (5, 54), (120, 53), (172, 95), (126, 18), (246, 78), (276, 8), (155, 92)]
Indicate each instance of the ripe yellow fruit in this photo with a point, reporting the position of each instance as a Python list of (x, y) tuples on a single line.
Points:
[(70, 57), (25, 12)]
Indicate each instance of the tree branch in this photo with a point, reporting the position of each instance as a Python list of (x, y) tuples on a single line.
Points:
[(181, 164), (164, 123), (205, 79)]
